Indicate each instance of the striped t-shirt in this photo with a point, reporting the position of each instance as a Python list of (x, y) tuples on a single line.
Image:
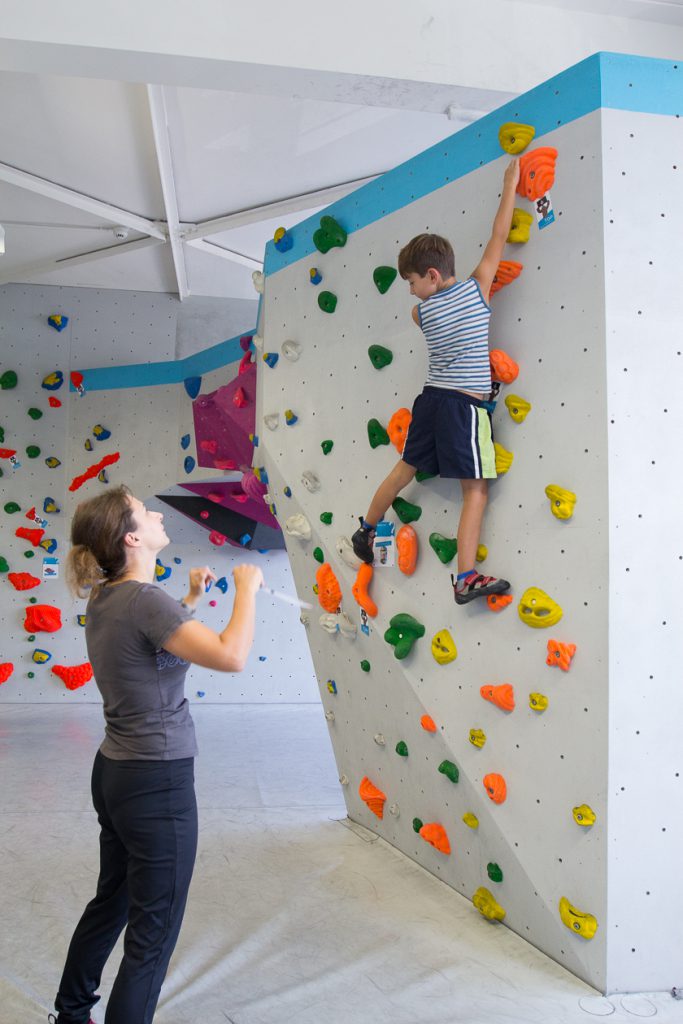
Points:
[(455, 323)]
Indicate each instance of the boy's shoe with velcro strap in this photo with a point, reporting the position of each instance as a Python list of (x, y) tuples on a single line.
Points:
[(362, 543), (475, 585)]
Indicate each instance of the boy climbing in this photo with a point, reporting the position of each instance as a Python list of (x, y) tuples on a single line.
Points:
[(450, 431)]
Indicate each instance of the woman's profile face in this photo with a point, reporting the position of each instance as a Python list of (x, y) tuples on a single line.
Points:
[(149, 526)]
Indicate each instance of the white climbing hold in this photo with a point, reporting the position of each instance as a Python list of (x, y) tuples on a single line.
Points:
[(347, 554), (304, 619), (329, 715), (257, 342), (259, 281), (310, 481), (298, 526), (291, 350), (395, 810), (338, 622), (272, 420), (379, 739), (344, 780)]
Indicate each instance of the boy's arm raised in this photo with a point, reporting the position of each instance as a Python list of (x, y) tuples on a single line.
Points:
[(488, 265)]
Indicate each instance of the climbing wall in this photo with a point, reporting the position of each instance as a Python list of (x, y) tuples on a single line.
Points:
[(421, 753)]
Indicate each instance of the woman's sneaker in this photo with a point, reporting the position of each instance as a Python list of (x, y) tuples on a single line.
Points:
[(474, 585), (362, 542)]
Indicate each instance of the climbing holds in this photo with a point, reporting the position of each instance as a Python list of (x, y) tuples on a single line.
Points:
[(407, 548), (8, 380), (258, 279), (93, 471), (577, 921), (34, 537), (560, 655), (402, 748), (345, 551), (496, 787), (6, 670), (537, 172), (35, 414), (477, 738), (270, 359), (380, 356), (40, 656), (217, 539), (290, 418), (360, 590), (584, 816), (503, 458), (42, 618), (58, 321), (103, 477), (436, 836), (161, 571), (377, 435), (384, 277), (518, 407), (486, 904), (291, 350), (88, 445), (327, 302), (379, 739), (338, 623), (330, 716), (496, 602), (53, 381), (331, 687), (272, 420), (329, 591), (188, 463), (11, 507), (365, 666), (298, 525), (502, 696), (310, 481), (406, 511), (471, 820), (192, 386), (283, 240), (33, 451), (538, 701), (503, 366), (450, 770), (494, 872), (50, 506), (239, 399), (445, 548), (315, 276), (372, 796), (507, 272), (4, 564), (402, 634), (561, 502), (327, 446), (318, 555), (221, 584), (428, 723), (74, 676), (101, 433), (537, 609), (520, 227), (514, 137), (23, 580), (329, 235), (443, 648), (398, 428), (417, 824), (54, 403)]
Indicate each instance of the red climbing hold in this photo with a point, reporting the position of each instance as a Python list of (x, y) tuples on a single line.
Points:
[(76, 379), (7, 453), (245, 362), (23, 580), (74, 676), (54, 403), (32, 536), (6, 670), (94, 471), (240, 399), (217, 538), (42, 618), (210, 446), (225, 464)]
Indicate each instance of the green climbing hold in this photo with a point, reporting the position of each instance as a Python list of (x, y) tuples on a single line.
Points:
[(377, 435), (318, 555), (326, 518), (11, 507), (1, 473), (421, 476), (406, 511), (35, 414), (365, 665), (33, 451), (402, 748), (29, 554), (33, 600), (445, 548), (327, 302), (2, 435), (31, 638), (494, 872), (450, 770), (417, 824), (403, 631), (31, 675), (380, 356), (384, 277), (330, 235), (8, 380), (4, 564), (327, 446)]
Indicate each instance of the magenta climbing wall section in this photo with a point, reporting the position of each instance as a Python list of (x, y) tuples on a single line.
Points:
[(550, 838)]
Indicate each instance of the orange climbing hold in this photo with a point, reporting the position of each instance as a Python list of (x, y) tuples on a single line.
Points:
[(94, 471), (360, 590), (23, 580), (495, 787), (503, 366), (437, 836), (397, 428), (406, 546), (537, 172), (372, 796), (560, 654), (502, 696), (42, 618), (74, 676), (507, 271), (428, 723), (329, 591), (32, 536), (496, 602), (6, 670)]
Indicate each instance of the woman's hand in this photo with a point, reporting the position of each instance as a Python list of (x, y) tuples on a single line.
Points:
[(248, 577), (511, 176), (199, 581)]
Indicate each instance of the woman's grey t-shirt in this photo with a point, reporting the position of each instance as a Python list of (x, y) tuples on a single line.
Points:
[(147, 717)]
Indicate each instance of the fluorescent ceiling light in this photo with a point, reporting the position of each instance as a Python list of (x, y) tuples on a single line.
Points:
[(2, 240)]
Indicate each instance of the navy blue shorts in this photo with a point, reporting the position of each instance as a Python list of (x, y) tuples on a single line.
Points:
[(450, 434)]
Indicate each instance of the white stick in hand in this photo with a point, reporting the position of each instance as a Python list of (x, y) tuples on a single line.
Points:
[(285, 597)]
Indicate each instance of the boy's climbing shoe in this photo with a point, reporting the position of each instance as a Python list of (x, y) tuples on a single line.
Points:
[(474, 585), (362, 543)]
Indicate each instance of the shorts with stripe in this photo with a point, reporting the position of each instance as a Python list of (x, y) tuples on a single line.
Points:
[(450, 434)]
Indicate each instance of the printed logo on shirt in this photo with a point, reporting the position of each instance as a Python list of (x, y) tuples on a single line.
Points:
[(166, 660)]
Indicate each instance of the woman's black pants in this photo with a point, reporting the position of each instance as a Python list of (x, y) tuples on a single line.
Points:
[(148, 818)]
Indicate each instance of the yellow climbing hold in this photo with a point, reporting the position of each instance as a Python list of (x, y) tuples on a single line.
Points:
[(518, 408), (482, 552), (485, 903), (503, 458), (471, 820), (443, 648), (538, 701), (477, 738), (584, 816), (576, 920), (514, 137), (538, 610), (561, 502), (520, 226)]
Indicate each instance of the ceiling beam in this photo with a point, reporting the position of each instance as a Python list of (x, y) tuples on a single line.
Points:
[(162, 144), (227, 254), (19, 274), (49, 189)]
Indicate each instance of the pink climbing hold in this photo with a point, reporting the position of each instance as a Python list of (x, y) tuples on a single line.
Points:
[(239, 398), (209, 446), (246, 363), (213, 603), (217, 538), (204, 514)]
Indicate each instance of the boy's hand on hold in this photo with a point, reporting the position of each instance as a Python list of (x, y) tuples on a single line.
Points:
[(199, 581), (511, 177), (248, 577)]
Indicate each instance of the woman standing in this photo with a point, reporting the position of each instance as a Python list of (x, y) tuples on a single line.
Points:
[(140, 644)]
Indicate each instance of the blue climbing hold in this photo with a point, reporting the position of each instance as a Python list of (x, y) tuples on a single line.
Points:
[(49, 544), (50, 505), (161, 571), (80, 619), (100, 432), (201, 693), (177, 561), (185, 441), (192, 386), (287, 492), (270, 358), (222, 585), (58, 321), (53, 381), (283, 240), (262, 657), (188, 464), (244, 539)]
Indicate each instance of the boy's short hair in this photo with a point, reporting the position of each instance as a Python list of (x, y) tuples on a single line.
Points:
[(425, 251)]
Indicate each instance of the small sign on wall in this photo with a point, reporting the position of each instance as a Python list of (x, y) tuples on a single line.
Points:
[(544, 211), (50, 568)]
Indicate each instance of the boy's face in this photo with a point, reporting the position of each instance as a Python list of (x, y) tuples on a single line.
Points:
[(423, 287)]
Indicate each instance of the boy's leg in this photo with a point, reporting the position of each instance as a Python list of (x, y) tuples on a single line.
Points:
[(471, 584), (400, 477)]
